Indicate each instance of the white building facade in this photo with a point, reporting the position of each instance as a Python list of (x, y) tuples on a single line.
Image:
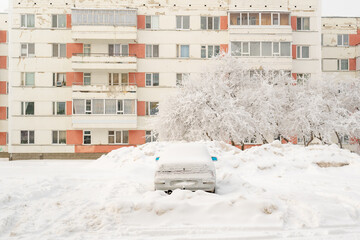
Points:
[(87, 76)]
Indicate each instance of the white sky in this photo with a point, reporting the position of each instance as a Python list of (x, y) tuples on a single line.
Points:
[(330, 7)]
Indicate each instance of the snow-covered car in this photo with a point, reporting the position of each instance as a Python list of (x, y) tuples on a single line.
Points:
[(186, 166)]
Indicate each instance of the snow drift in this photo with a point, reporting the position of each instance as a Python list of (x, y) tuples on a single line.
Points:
[(273, 186)]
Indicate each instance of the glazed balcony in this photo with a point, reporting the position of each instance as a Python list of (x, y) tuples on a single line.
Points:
[(104, 62)]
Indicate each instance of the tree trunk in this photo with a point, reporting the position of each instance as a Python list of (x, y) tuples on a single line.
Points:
[(339, 140), (209, 137), (311, 138), (264, 139), (232, 142), (286, 140)]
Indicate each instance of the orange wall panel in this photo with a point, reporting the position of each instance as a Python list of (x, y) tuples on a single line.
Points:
[(294, 75), (69, 108), (223, 22), (3, 87), (352, 64), (97, 148), (2, 113), (224, 48), (2, 138), (141, 21), (293, 51), (3, 34), (73, 78), (137, 49), (293, 22), (3, 62), (68, 20), (136, 137), (74, 137), (141, 108), (137, 78), (354, 39), (72, 48)]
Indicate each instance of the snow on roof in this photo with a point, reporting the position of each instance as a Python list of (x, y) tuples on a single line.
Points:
[(185, 153)]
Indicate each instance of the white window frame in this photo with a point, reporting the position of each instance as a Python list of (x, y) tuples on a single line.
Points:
[(57, 82), (27, 54), (118, 50), (26, 23), (24, 79), (88, 134), (86, 79), (299, 52), (148, 108), (152, 18), (250, 140), (23, 109), (114, 134), (178, 50), (180, 81), (151, 75), (59, 46), (342, 37), (302, 28), (87, 50), (28, 136), (214, 27), (57, 137), (345, 139), (182, 20), (152, 51), (339, 65), (248, 52), (58, 18), (150, 136), (301, 78), (120, 79), (89, 110), (207, 51), (55, 106)]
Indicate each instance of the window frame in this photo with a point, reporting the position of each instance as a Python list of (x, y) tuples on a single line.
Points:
[(24, 79), (148, 109), (58, 137), (26, 20), (88, 107), (301, 78), (24, 107), (114, 135), (248, 53), (59, 47), (152, 17), (57, 25), (182, 20), (120, 48), (339, 65), (86, 75), (302, 24), (55, 107), (150, 136), (207, 55), (342, 36), (27, 54), (56, 77), (207, 23), (86, 133), (245, 15), (179, 52), (152, 79), (28, 137), (300, 52), (152, 50)]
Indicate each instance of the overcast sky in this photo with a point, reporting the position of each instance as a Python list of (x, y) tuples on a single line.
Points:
[(344, 8)]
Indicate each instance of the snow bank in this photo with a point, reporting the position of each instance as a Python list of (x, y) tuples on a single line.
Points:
[(273, 186)]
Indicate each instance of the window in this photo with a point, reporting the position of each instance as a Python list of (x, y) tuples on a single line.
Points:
[(210, 51), (302, 52), (151, 108), (343, 64), (114, 79), (92, 17), (265, 19), (59, 79), (27, 108), (59, 108), (210, 23), (343, 40), (182, 51), (118, 50), (265, 49), (303, 23), (118, 137), (59, 50), (182, 22), (58, 21), (87, 137), (152, 22), (87, 50), (104, 106), (301, 78), (180, 78), (58, 137), (87, 79), (28, 79), (27, 49), (251, 140), (284, 19), (152, 79), (27, 137), (345, 139), (253, 18), (150, 136), (27, 20), (152, 51), (275, 19)]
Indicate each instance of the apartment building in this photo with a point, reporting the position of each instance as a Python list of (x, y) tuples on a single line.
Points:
[(4, 86), (87, 76)]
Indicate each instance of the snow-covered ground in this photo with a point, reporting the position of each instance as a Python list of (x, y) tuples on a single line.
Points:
[(269, 192)]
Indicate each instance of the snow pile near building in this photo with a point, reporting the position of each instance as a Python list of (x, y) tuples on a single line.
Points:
[(273, 186)]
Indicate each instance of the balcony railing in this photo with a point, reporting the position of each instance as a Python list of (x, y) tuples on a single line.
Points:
[(104, 17), (104, 54), (104, 61)]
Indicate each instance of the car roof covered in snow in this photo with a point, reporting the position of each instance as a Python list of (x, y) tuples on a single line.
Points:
[(185, 153)]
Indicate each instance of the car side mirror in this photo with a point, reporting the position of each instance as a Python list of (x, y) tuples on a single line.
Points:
[(214, 159), (157, 159)]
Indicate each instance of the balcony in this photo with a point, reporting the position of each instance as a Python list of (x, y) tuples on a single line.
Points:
[(103, 24), (104, 61), (99, 91), (104, 121)]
